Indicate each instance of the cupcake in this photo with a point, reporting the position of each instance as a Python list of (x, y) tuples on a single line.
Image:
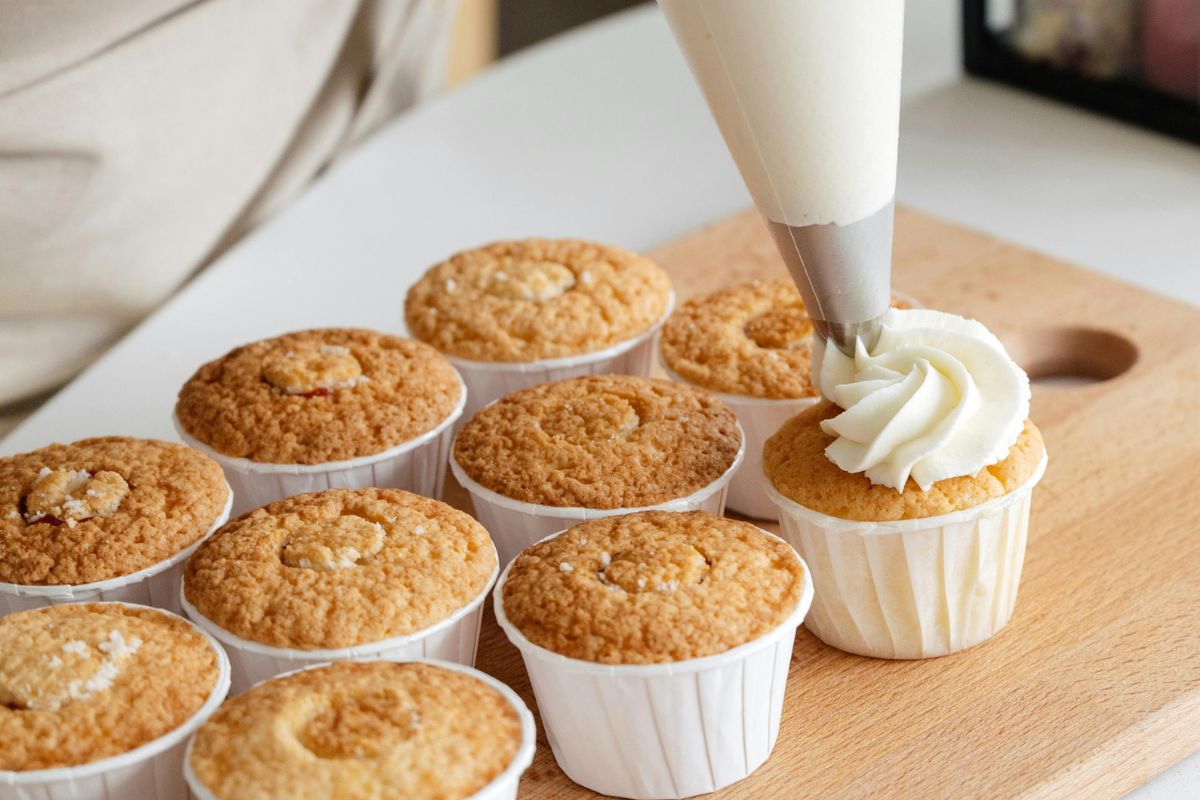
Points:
[(908, 493), (549, 456), (104, 519), (342, 574), (516, 314), (320, 409), (674, 630), (97, 700), (751, 344), (360, 731)]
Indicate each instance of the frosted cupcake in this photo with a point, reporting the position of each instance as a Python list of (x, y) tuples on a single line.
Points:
[(909, 494), (516, 314), (751, 344), (360, 731), (320, 409), (546, 457), (104, 519), (673, 629), (97, 700), (342, 574)]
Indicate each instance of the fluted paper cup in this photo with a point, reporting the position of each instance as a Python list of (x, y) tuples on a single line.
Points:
[(760, 418), (490, 380), (515, 524), (915, 588), (454, 639), (502, 787), (662, 730), (418, 465), (156, 585), (151, 771)]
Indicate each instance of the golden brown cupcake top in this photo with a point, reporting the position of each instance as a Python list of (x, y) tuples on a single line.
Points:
[(84, 681), (601, 441), (319, 395), (754, 340), (359, 731), (536, 298), (794, 459), (653, 587), (340, 568), (102, 508)]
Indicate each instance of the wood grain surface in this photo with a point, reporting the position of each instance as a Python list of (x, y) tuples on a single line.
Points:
[(1094, 686)]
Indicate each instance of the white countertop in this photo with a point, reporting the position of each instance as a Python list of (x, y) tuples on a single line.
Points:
[(602, 134)]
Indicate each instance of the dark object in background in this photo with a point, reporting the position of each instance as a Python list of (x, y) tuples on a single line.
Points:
[(1138, 60), (1171, 46), (524, 22)]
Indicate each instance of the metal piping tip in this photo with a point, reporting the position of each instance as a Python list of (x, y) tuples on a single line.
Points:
[(846, 334), (844, 274)]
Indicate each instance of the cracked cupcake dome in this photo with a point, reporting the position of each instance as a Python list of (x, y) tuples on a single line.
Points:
[(600, 441), (652, 587), (356, 731), (754, 339), (519, 301), (71, 496), (102, 508), (82, 682), (317, 396), (308, 371), (340, 568)]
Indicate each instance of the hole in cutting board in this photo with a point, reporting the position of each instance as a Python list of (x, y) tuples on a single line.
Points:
[(1066, 357)]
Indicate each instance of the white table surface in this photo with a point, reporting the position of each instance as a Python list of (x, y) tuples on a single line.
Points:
[(602, 134)]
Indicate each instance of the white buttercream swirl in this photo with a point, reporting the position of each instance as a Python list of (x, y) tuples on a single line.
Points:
[(937, 397)]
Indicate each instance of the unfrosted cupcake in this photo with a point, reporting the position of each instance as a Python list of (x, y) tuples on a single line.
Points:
[(342, 574), (320, 409), (519, 313), (546, 457), (360, 731), (752, 344), (909, 494), (672, 628), (104, 519), (96, 700)]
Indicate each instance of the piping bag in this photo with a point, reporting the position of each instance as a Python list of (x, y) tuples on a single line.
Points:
[(807, 96)]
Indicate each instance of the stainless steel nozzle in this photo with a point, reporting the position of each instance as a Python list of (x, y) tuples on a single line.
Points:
[(844, 273)]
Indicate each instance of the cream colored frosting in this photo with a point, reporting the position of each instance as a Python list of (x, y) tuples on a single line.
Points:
[(807, 97), (937, 397)]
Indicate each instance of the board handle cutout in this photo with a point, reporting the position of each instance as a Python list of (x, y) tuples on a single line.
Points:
[(1065, 357)]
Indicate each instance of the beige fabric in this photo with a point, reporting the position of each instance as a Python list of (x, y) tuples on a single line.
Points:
[(140, 137)]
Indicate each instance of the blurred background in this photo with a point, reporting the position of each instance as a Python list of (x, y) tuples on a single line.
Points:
[(172, 184), (1138, 60), (485, 30)]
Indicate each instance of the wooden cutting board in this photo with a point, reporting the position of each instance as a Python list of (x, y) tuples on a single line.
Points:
[(1094, 686)]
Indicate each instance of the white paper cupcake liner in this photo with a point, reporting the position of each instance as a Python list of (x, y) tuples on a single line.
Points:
[(418, 466), (488, 381), (502, 787), (454, 639), (514, 525), (153, 771), (760, 418), (662, 730), (913, 588), (156, 585)]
